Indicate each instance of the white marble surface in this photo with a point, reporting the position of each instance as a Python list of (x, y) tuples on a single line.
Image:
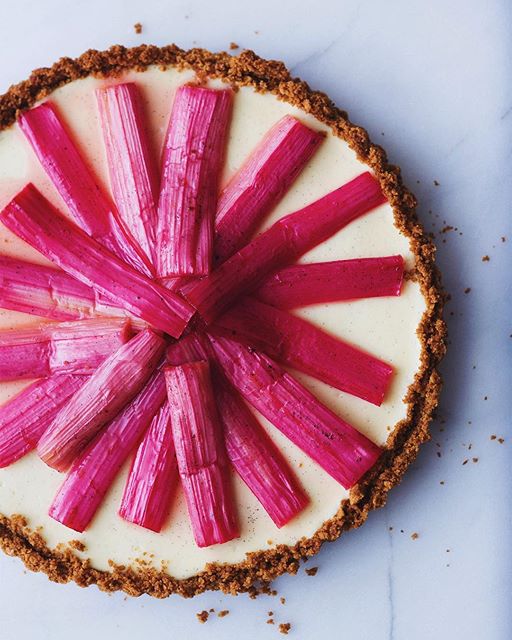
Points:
[(431, 81)]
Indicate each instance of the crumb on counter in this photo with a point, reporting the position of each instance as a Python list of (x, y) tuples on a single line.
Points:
[(415, 536), (233, 45), (485, 258), (312, 571), (202, 616), (284, 628), (223, 613), (137, 27)]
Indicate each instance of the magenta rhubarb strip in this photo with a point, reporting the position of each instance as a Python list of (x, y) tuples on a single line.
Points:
[(250, 450), (153, 476), (68, 347), (300, 285), (31, 217), (299, 344), (261, 182), (48, 292), (332, 443), (257, 460), (94, 471), (200, 452), (192, 163), (25, 418), (282, 243), (112, 386), (78, 187), (134, 175)]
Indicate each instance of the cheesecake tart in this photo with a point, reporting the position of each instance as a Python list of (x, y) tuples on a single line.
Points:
[(220, 322)]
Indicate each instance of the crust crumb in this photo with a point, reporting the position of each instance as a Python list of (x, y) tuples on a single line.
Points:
[(77, 544), (312, 571), (202, 616), (223, 613), (485, 258), (415, 536), (284, 628), (233, 46), (137, 27)]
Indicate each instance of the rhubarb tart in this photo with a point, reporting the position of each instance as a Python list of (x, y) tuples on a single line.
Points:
[(220, 322)]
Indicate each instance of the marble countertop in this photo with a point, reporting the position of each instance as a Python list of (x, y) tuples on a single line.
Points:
[(431, 82)]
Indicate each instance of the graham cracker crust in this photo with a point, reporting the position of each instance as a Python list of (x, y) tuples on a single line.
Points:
[(260, 568)]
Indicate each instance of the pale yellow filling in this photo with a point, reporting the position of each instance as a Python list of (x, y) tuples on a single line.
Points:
[(386, 327)]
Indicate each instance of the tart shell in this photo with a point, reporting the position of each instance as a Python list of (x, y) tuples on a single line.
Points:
[(64, 563)]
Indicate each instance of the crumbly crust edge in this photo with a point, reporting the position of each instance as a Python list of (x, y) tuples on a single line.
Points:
[(63, 564)]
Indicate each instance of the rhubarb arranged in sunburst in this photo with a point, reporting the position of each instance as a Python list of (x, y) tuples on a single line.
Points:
[(167, 324)]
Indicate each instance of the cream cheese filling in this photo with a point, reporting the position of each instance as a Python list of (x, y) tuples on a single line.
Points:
[(386, 327)]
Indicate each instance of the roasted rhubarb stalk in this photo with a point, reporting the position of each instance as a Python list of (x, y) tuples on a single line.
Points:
[(335, 445), (200, 453), (77, 186), (134, 176), (31, 217), (261, 182), (284, 242), (112, 386), (49, 292), (68, 347), (94, 471), (299, 344), (300, 285), (257, 460), (250, 450), (24, 418), (153, 476), (192, 163)]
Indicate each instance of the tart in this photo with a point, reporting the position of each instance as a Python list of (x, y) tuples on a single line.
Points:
[(210, 364)]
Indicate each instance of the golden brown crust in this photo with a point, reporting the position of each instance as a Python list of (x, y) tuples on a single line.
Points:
[(64, 564)]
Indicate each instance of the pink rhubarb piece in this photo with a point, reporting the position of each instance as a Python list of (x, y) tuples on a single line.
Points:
[(134, 175), (284, 242), (299, 344), (192, 162), (94, 471), (78, 187), (335, 445), (257, 460), (48, 292), (300, 285), (250, 450), (68, 347), (200, 453), (24, 418), (31, 217), (261, 182), (113, 385), (153, 476)]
